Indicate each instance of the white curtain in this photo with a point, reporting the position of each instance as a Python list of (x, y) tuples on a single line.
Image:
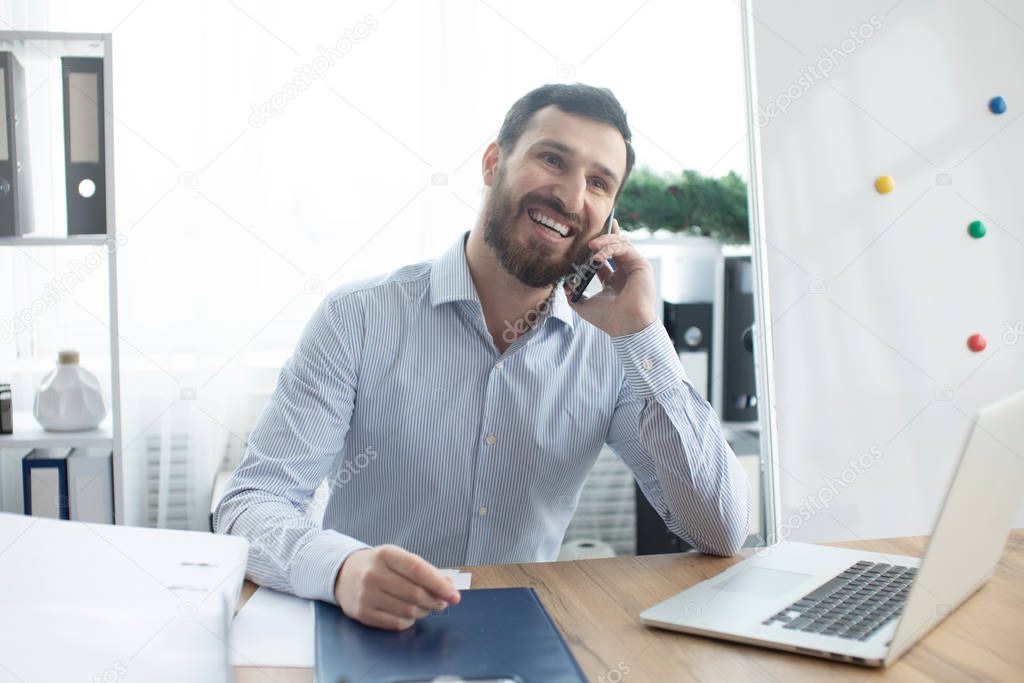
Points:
[(238, 218)]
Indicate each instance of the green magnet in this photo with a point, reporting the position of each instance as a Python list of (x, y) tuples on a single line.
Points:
[(976, 229)]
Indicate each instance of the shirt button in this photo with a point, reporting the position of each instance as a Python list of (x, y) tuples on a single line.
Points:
[(500, 364), (491, 439), (482, 511), (647, 364)]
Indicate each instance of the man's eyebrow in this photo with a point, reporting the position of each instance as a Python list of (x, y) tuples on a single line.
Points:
[(569, 151)]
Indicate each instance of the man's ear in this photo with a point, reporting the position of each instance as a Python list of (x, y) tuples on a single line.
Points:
[(489, 163)]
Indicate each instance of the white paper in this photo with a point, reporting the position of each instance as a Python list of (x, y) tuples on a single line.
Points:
[(155, 642), (273, 629), (85, 602), (101, 564)]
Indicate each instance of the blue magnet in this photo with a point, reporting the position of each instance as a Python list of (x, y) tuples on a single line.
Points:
[(997, 105)]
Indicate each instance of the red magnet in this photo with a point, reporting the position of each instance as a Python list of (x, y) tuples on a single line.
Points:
[(976, 343)]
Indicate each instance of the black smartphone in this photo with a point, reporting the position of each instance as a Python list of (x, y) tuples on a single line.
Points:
[(585, 272)]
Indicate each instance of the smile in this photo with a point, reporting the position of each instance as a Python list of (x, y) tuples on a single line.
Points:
[(550, 223)]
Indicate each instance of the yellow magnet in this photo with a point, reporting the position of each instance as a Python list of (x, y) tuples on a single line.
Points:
[(884, 184)]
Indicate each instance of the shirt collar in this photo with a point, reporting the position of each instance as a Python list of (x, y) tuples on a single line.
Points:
[(450, 280)]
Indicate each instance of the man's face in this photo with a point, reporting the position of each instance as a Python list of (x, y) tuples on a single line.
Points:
[(564, 169)]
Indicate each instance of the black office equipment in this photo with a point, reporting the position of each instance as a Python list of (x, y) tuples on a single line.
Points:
[(652, 535), (495, 634), (689, 325), (739, 401), (6, 410), (15, 180), (84, 140)]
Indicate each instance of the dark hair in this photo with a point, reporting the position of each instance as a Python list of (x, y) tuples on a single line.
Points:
[(598, 104)]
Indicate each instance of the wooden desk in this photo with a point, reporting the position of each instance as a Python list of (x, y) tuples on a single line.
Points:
[(596, 604)]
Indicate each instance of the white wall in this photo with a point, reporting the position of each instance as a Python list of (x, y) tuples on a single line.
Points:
[(873, 296)]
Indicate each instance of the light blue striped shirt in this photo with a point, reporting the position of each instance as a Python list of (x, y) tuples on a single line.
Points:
[(434, 441)]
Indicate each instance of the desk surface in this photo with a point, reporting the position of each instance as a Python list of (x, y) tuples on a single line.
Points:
[(596, 604)]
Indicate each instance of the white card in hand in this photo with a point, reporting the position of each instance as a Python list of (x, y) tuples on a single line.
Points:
[(461, 580)]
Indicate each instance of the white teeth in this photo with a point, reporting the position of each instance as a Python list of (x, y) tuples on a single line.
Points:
[(557, 227)]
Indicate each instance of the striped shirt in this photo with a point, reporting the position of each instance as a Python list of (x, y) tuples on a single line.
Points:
[(433, 440)]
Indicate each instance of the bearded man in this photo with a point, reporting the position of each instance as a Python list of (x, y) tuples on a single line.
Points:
[(456, 406)]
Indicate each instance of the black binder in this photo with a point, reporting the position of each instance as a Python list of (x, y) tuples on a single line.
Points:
[(84, 145), (50, 497), (493, 634), (15, 180)]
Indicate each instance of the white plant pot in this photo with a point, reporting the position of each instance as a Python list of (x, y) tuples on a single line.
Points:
[(69, 398)]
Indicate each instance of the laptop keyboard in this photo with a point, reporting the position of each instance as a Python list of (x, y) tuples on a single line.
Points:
[(853, 605)]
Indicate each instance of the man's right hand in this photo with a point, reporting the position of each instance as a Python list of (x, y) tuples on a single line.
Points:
[(390, 588)]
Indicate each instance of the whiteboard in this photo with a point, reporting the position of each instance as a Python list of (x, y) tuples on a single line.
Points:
[(873, 296)]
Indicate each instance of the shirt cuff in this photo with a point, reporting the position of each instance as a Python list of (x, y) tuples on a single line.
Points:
[(315, 568), (649, 359)]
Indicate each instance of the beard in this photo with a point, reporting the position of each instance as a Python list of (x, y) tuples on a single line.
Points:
[(530, 260)]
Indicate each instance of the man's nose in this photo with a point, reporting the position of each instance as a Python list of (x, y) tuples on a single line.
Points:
[(571, 191)]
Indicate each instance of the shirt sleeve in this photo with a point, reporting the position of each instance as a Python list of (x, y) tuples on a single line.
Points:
[(293, 446), (672, 440)]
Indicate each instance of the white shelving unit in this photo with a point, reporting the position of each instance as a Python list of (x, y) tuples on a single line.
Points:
[(30, 435), (32, 241), (40, 53)]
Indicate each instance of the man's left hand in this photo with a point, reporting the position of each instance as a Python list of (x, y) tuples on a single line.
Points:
[(626, 304)]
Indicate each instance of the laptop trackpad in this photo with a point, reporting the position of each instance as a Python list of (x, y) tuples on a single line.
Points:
[(762, 582)]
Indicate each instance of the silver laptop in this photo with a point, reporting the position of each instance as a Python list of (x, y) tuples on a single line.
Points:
[(864, 607)]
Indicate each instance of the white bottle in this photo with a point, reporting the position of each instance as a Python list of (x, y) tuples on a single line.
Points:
[(69, 398)]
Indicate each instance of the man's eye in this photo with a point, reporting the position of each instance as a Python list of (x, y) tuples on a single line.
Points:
[(547, 157), (600, 183)]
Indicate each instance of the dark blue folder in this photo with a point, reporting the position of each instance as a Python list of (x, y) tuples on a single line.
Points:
[(493, 633), (39, 459)]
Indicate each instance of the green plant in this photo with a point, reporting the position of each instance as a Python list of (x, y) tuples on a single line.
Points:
[(687, 202)]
